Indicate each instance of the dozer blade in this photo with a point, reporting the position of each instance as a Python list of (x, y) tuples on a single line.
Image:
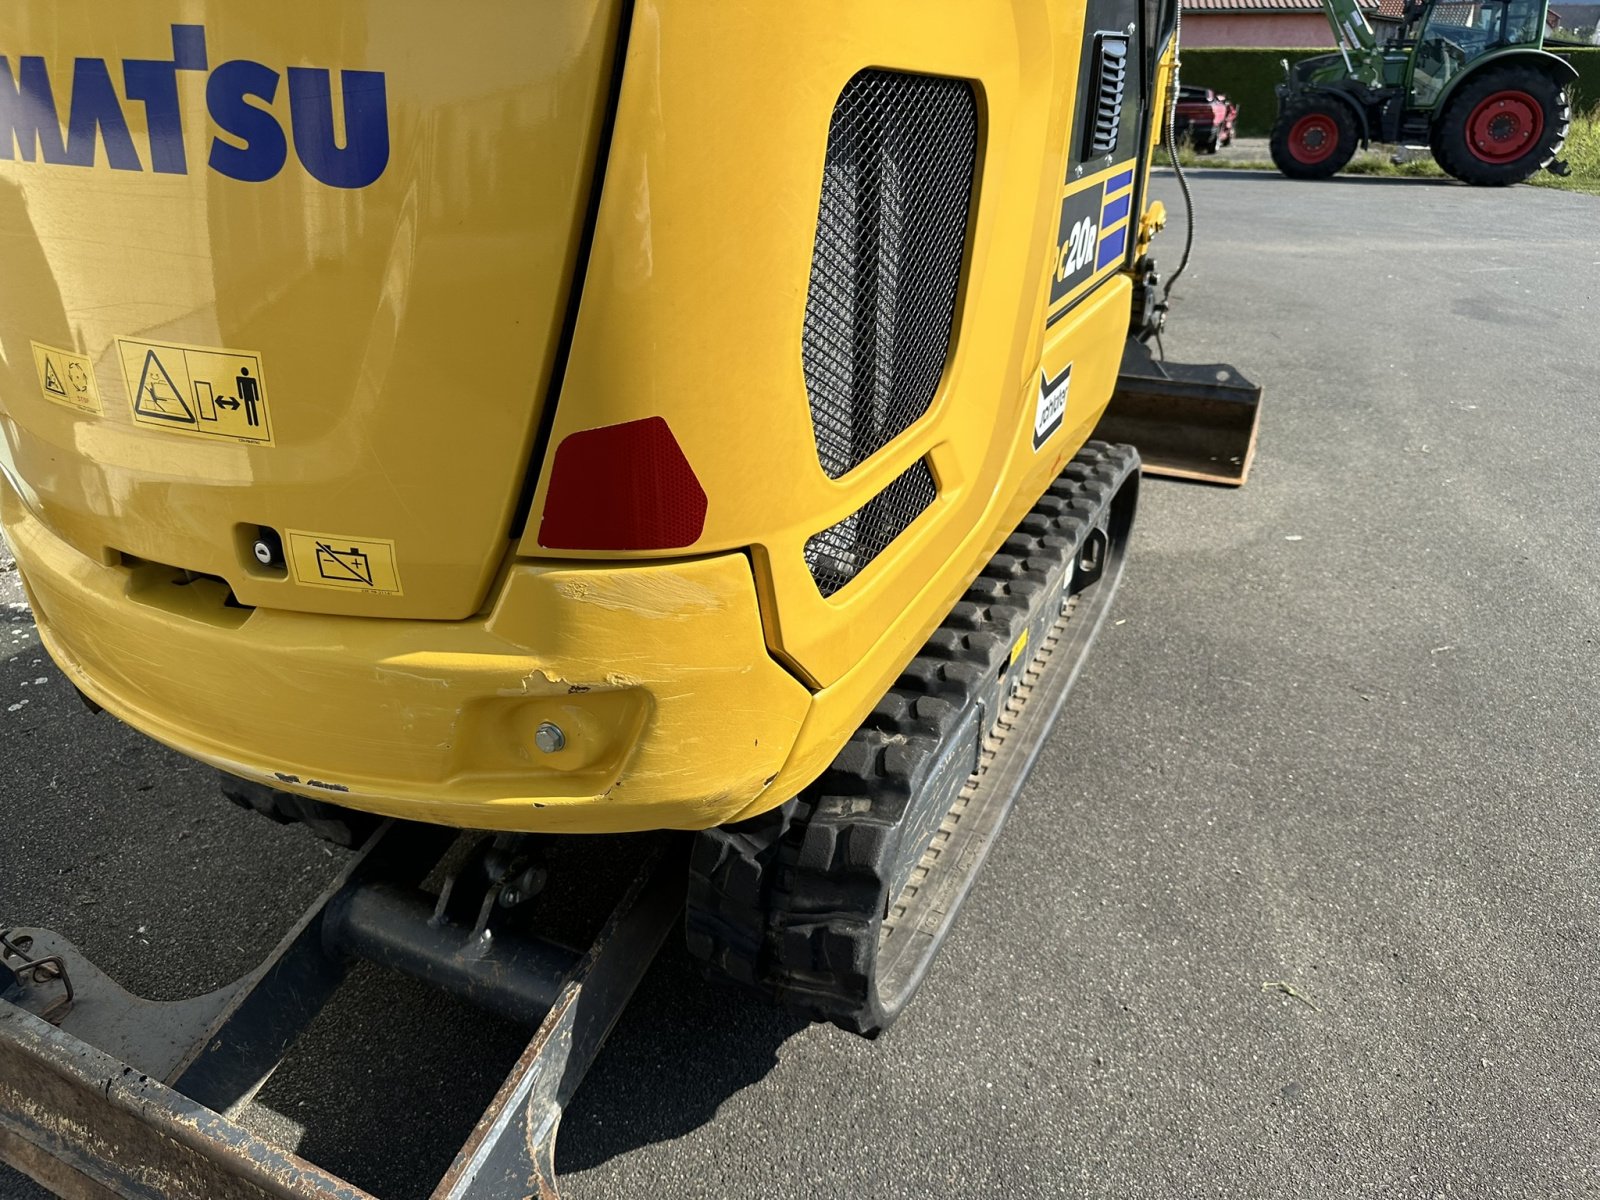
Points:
[(1189, 420)]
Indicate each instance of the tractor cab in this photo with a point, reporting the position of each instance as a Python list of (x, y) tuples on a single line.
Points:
[(1451, 36)]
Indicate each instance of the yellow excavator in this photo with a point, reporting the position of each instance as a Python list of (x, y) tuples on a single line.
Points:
[(594, 417)]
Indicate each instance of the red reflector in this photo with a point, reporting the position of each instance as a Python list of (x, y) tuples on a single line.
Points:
[(622, 487)]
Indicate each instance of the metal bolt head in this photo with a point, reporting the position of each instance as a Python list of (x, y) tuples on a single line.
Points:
[(263, 552), (549, 738)]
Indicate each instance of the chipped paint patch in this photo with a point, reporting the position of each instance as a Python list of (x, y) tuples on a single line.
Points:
[(536, 683), (285, 777)]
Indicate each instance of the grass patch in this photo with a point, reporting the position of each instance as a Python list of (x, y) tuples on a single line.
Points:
[(1419, 165), (1188, 157), (1582, 154)]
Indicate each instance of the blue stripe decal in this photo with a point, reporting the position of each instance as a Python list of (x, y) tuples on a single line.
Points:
[(1117, 182), (1111, 247), (1114, 210)]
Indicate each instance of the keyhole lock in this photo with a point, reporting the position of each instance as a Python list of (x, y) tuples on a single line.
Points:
[(268, 548)]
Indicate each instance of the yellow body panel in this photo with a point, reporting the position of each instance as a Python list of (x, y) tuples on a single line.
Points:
[(702, 250), (406, 335), (407, 328), (657, 673)]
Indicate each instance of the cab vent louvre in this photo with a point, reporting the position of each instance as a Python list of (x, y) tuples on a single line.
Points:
[(1110, 83)]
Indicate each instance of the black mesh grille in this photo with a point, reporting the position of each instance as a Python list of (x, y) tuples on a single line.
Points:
[(1110, 82), (841, 552), (891, 233)]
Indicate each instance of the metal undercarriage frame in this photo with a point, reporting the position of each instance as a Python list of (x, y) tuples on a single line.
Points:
[(103, 1094)]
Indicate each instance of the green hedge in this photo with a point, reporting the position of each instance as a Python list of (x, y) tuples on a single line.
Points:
[(1248, 77), (1586, 92)]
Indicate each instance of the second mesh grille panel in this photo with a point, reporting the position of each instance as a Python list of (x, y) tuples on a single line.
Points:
[(891, 236), (839, 553)]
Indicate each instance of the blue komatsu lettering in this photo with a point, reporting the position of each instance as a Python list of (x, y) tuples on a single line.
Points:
[(227, 94), (28, 112), (365, 152), (154, 83), (97, 113), (249, 143)]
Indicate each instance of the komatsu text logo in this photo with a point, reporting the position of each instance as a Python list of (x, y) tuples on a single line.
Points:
[(248, 143)]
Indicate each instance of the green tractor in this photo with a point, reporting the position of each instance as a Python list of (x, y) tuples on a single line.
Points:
[(1469, 79)]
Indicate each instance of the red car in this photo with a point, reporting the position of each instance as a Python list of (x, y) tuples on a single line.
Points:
[(1206, 117)]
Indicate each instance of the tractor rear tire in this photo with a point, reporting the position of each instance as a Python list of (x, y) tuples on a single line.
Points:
[(1314, 137), (1502, 126)]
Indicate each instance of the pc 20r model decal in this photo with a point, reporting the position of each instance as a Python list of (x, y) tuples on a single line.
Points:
[(248, 143), (1075, 241), (1091, 236)]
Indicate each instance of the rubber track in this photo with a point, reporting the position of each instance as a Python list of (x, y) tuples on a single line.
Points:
[(792, 902)]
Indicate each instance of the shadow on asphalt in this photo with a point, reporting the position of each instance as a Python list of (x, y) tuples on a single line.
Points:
[(429, 1065), (683, 1048)]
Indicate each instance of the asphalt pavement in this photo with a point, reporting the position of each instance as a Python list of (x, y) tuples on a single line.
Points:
[(1300, 901)]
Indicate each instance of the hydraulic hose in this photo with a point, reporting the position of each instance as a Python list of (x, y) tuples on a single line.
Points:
[(1172, 154)]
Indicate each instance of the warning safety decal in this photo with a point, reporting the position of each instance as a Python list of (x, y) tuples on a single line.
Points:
[(198, 390), (66, 378), (358, 564)]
